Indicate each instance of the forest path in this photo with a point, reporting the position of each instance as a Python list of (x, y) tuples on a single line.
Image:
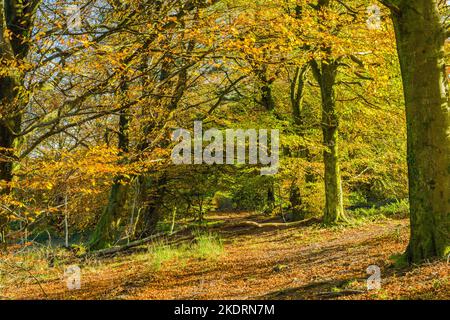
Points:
[(306, 262)]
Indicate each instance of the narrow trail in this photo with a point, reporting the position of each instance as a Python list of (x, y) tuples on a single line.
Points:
[(306, 262)]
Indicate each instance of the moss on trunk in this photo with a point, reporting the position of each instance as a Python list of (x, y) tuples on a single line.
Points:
[(105, 232), (420, 42), (326, 76)]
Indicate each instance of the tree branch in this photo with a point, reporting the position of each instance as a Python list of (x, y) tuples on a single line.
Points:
[(391, 5)]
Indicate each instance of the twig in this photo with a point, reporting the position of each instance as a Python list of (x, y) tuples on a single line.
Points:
[(28, 271)]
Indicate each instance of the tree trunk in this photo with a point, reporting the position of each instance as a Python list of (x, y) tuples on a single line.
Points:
[(297, 97), (150, 203), (9, 142), (334, 208), (16, 17), (420, 43), (295, 199), (271, 196), (66, 223), (104, 232), (267, 97), (297, 93)]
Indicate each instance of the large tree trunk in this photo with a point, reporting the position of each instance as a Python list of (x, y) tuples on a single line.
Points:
[(9, 127), (334, 208), (105, 233), (420, 43), (151, 203), (17, 18), (8, 143), (297, 94)]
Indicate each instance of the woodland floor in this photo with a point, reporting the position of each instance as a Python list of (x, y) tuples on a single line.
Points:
[(301, 262)]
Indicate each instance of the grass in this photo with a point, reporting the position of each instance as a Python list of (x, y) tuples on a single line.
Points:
[(37, 265), (42, 263), (208, 246), (160, 253), (205, 246), (206, 223), (396, 210)]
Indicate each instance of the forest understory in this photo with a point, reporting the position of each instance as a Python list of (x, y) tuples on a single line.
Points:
[(238, 260)]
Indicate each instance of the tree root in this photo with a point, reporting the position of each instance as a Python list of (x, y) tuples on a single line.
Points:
[(279, 224)]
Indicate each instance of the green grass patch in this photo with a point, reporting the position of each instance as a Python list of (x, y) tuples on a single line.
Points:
[(161, 253), (205, 246), (396, 210), (204, 224)]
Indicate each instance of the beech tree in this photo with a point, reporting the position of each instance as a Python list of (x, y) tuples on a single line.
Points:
[(16, 22), (421, 35)]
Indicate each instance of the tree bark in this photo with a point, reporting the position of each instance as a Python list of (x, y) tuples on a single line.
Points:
[(267, 97), (420, 44), (326, 76), (8, 142), (150, 203), (104, 232), (297, 93), (17, 17)]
